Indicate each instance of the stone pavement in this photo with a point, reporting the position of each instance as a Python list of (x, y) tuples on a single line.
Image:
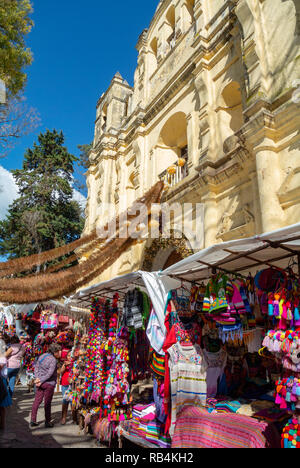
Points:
[(18, 434)]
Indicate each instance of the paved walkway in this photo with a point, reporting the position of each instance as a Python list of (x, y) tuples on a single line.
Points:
[(18, 434)]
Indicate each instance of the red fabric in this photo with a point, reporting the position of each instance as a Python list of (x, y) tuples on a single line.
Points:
[(66, 375), (64, 354), (65, 378), (169, 341), (36, 315)]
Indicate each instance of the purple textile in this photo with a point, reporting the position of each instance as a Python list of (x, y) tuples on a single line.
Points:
[(45, 369), (159, 402)]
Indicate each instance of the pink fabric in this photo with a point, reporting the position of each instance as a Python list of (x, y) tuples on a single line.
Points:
[(14, 361), (196, 428)]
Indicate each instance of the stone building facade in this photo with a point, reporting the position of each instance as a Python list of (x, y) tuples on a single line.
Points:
[(217, 84)]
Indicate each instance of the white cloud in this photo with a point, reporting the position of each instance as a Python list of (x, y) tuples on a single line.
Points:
[(9, 192), (77, 196)]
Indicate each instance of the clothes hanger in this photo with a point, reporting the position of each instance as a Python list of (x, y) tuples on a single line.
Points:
[(182, 287)]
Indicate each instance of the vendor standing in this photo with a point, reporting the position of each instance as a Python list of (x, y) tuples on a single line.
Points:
[(45, 372)]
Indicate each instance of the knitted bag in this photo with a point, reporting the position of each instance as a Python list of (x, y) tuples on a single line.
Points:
[(157, 364), (218, 304)]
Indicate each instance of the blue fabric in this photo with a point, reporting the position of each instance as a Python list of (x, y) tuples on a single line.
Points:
[(222, 386), (64, 390), (7, 401), (11, 377)]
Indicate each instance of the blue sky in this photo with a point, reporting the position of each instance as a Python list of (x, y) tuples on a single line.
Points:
[(78, 47)]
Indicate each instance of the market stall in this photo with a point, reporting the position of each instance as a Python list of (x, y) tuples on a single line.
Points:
[(204, 323), (41, 324), (250, 290), (113, 373)]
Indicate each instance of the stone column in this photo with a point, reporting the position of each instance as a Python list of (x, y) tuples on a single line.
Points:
[(152, 176), (211, 218), (107, 189), (269, 181), (92, 199), (193, 131), (256, 202)]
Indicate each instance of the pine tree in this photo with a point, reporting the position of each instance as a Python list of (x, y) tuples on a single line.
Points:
[(44, 216), (15, 24)]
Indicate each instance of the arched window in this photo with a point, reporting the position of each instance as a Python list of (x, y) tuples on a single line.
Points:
[(154, 46), (230, 110), (153, 55), (170, 16), (232, 105), (172, 147), (104, 118)]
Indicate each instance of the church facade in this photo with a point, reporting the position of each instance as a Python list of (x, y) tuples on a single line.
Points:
[(217, 88)]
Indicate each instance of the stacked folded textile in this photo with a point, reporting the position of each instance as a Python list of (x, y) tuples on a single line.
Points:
[(155, 436), (228, 407), (141, 413), (145, 426)]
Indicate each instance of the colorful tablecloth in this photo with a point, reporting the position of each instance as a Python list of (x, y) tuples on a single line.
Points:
[(196, 428)]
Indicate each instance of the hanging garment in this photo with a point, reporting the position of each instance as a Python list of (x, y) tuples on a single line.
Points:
[(188, 378), (181, 304), (157, 364), (216, 364), (138, 356), (155, 334), (133, 309), (158, 394), (215, 295), (197, 298)]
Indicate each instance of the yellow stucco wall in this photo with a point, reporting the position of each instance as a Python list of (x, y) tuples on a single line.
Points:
[(220, 77)]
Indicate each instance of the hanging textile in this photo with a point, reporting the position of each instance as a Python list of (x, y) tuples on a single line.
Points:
[(188, 368)]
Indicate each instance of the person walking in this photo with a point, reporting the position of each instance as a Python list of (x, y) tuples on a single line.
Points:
[(45, 372), (14, 356), (5, 398)]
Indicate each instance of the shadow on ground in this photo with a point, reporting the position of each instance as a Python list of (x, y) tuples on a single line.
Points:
[(18, 434)]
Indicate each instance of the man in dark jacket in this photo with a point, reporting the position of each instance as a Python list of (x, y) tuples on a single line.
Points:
[(45, 372)]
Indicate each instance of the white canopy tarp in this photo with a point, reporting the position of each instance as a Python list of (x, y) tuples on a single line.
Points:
[(157, 286), (6, 314), (271, 249)]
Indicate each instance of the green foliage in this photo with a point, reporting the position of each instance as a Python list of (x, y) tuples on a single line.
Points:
[(44, 216), (15, 24), (84, 155)]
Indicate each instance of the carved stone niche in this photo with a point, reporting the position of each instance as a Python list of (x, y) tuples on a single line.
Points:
[(289, 192), (230, 144), (134, 179), (236, 224)]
